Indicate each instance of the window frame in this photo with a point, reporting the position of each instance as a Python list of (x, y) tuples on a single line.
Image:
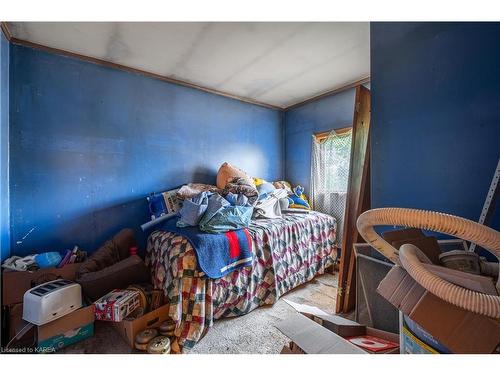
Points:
[(321, 136)]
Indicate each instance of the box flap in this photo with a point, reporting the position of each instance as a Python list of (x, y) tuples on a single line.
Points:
[(313, 338), (312, 310), (341, 326), (478, 283)]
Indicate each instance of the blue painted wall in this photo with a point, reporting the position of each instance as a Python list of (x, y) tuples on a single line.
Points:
[(435, 115), (4, 148), (332, 112), (88, 143)]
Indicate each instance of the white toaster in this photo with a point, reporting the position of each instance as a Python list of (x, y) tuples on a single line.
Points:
[(49, 301)]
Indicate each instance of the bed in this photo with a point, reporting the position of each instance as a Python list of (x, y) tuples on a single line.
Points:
[(287, 252)]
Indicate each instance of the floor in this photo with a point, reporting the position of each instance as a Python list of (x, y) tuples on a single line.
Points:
[(252, 333)]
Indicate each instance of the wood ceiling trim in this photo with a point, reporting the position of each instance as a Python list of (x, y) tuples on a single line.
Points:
[(175, 81), (330, 92), (6, 31), (129, 69)]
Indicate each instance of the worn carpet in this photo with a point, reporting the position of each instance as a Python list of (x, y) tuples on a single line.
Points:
[(252, 333)]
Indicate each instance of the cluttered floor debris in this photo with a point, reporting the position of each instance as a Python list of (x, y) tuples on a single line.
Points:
[(254, 332)]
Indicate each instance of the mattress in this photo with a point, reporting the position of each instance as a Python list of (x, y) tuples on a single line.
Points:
[(287, 252)]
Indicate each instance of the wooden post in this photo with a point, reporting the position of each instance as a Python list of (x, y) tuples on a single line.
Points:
[(358, 188)]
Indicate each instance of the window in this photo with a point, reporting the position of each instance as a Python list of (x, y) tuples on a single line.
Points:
[(331, 154)]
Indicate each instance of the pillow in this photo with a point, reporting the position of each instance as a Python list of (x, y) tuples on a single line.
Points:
[(265, 188), (226, 173)]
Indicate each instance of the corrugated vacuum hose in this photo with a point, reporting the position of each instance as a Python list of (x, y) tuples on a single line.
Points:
[(410, 258)]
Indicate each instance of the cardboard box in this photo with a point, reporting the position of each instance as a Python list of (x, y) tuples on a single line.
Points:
[(128, 329), (416, 340), (428, 245), (458, 330), (117, 305), (291, 348), (16, 283), (392, 236), (71, 328), (412, 345), (341, 326), (286, 349), (324, 333), (313, 338)]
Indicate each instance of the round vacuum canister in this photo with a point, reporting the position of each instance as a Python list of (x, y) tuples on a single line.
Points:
[(167, 328), (141, 347), (159, 345), (146, 336), (465, 261)]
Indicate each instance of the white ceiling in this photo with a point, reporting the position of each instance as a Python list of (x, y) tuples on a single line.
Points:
[(275, 63)]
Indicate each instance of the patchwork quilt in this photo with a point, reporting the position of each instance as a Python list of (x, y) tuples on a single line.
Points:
[(287, 252)]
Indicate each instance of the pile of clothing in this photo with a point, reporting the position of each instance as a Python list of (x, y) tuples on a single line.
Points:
[(49, 259), (271, 200), (214, 213), (218, 210), (235, 201)]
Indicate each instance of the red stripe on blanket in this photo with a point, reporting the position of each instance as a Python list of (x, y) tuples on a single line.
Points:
[(234, 246), (249, 239)]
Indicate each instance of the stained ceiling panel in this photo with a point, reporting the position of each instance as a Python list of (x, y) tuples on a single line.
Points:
[(275, 63)]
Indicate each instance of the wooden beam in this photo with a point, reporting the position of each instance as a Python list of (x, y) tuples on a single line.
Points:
[(350, 290), (348, 86), (358, 173)]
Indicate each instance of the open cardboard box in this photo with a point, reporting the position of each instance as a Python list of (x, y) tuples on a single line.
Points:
[(16, 283), (69, 329), (128, 329), (314, 331), (460, 331)]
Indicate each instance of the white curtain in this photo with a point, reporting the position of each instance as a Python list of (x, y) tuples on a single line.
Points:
[(329, 176)]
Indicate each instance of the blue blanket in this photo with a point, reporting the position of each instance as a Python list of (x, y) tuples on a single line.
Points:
[(217, 253)]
